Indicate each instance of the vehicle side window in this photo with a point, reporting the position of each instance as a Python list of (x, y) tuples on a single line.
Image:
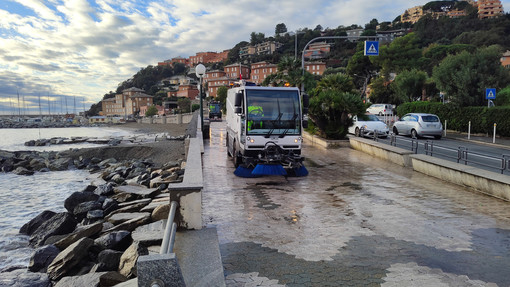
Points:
[(414, 118)]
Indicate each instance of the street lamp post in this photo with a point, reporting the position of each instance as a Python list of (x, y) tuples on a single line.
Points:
[(295, 43), (200, 72)]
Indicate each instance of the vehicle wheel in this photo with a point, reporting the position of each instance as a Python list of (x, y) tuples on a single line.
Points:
[(380, 113), (414, 134), (357, 133), (395, 131), (237, 158), (437, 137), (228, 152)]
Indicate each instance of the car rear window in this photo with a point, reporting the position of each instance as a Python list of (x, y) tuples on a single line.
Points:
[(430, 119)]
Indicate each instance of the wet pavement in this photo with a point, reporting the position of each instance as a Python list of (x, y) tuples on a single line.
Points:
[(353, 221)]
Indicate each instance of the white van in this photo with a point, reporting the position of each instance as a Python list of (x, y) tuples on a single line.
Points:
[(380, 109)]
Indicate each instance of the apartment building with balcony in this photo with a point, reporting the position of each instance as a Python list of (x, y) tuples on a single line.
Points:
[(315, 68), (237, 71), (213, 75), (489, 8), (318, 50), (266, 48), (260, 70), (214, 84), (412, 15)]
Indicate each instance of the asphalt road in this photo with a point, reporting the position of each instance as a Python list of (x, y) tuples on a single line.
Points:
[(457, 148)]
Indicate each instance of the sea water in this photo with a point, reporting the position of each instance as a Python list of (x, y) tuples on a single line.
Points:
[(24, 197)]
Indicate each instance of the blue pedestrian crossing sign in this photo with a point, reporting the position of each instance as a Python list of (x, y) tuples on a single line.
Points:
[(490, 94), (371, 48)]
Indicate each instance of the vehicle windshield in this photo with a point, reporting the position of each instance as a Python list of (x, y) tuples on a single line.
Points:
[(214, 108), (430, 119), (369, 118), (273, 112)]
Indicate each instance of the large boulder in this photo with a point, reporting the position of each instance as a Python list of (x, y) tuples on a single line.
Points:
[(60, 164), (101, 279), (60, 223), (150, 234), (79, 197), (108, 260), (118, 240), (119, 218), (81, 210), (23, 171), (127, 264), (104, 189), (84, 231), (23, 278), (69, 258), (42, 258), (131, 224), (29, 227)]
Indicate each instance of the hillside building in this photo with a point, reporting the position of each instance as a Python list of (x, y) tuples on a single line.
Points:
[(489, 8), (260, 70), (266, 48), (505, 59), (126, 104)]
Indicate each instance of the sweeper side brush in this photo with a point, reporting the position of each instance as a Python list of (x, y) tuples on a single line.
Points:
[(273, 160)]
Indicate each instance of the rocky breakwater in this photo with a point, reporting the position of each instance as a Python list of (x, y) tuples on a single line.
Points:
[(105, 228)]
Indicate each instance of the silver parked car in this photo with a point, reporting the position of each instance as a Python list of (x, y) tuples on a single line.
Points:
[(367, 125), (418, 125)]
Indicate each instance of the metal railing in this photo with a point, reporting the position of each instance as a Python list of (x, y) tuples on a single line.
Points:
[(463, 155), (411, 144), (460, 155), (167, 246)]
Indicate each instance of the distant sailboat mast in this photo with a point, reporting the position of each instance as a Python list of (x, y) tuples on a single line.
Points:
[(49, 105), (19, 107)]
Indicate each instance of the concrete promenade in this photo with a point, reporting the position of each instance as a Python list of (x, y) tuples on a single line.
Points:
[(355, 220)]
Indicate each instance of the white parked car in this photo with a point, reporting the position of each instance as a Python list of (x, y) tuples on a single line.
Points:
[(380, 109), (367, 125), (417, 125)]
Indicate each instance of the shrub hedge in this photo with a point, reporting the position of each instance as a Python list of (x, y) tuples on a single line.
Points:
[(482, 118)]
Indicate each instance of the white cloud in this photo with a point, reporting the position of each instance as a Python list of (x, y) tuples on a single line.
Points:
[(85, 48)]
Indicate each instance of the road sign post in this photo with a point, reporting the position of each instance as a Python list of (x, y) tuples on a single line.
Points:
[(490, 94)]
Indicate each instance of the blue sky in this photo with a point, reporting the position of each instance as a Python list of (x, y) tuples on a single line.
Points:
[(82, 49)]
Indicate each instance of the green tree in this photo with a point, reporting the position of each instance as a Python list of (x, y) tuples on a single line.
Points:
[(464, 77), (330, 109), (380, 91), (257, 38), (159, 97), (280, 28), (409, 86), (151, 111), (184, 104), (222, 97), (331, 104), (402, 54), (503, 97), (289, 71)]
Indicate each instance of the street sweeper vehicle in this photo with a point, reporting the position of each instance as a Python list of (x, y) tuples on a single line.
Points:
[(264, 130), (214, 111)]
